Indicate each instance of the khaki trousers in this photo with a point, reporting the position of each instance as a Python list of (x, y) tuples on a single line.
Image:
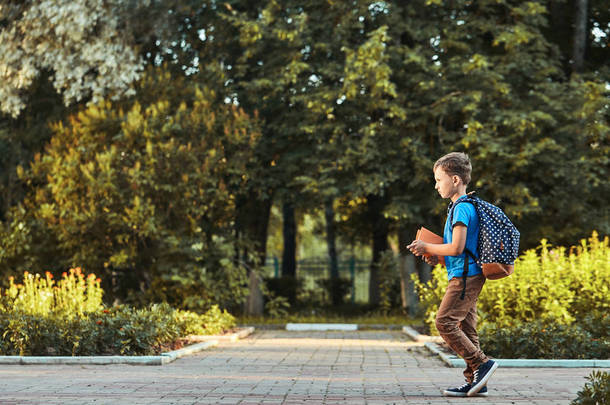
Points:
[(456, 321)]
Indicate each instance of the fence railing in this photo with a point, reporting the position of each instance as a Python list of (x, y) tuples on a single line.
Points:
[(309, 271)]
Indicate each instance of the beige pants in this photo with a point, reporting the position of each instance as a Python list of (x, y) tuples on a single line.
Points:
[(456, 321)]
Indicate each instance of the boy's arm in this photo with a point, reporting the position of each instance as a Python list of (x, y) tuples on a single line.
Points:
[(455, 248)]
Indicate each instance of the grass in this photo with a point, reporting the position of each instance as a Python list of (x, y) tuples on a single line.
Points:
[(370, 319)]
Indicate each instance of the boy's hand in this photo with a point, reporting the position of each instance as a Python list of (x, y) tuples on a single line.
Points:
[(432, 260), (417, 247)]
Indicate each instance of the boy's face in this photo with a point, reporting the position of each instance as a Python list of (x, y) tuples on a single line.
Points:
[(445, 184)]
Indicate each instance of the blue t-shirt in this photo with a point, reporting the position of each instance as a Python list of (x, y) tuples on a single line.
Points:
[(466, 214)]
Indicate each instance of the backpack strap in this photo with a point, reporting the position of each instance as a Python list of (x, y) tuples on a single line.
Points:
[(465, 272), (470, 197)]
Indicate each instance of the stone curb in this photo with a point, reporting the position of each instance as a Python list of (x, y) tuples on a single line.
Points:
[(233, 337), (418, 337), (185, 351), (454, 361), (163, 358)]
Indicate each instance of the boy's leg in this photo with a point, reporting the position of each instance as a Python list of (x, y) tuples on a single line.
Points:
[(454, 311), (469, 327)]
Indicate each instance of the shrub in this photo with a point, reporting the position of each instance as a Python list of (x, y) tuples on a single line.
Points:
[(552, 283), (119, 330), (542, 339), (284, 286), (431, 295), (389, 284), (44, 317), (342, 287), (596, 390), (213, 322), (597, 323)]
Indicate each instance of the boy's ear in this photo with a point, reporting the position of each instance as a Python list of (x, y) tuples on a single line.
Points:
[(456, 179)]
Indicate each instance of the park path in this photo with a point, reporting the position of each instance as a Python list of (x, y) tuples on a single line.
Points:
[(279, 367)]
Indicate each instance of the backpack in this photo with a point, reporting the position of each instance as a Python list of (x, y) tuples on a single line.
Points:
[(498, 244)]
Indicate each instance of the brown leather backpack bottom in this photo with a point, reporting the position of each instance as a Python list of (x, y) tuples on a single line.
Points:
[(494, 271)]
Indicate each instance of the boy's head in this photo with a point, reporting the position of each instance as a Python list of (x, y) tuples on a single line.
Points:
[(455, 164)]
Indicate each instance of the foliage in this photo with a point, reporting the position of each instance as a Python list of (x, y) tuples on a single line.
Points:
[(42, 317), (596, 390), (544, 339), (118, 330), (276, 307), (340, 286), (77, 40), (430, 295), (389, 283), (551, 285), (356, 100), (285, 286), (150, 185), (73, 295), (213, 322)]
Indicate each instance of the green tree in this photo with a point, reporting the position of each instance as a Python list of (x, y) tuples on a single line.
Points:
[(520, 118), (143, 192)]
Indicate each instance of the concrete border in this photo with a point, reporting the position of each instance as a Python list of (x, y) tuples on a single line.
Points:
[(418, 337), (231, 337), (162, 359), (455, 361)]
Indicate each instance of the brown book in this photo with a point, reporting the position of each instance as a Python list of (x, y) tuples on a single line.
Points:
[(428, 236)]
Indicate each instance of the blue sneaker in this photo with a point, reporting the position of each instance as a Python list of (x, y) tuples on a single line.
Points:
[(481, 376), (463, 391)]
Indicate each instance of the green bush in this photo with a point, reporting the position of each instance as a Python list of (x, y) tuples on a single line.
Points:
[(119, 330), (542, 339), (340, 286), (212, 322), (550, 286), (389, 284), (284, 286), (44, 317), (596, 391), (597, 323)]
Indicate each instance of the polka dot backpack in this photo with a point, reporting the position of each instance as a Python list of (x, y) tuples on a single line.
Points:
[(498, 245)]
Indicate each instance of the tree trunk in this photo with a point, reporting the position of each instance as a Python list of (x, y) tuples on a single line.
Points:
[(251, 224), (329, 214), (375, 208), (424, 270), (289, 265), (580, 36), (406, 264), (560, 31)]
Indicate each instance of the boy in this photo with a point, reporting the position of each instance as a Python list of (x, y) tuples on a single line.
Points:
[(456, 319)]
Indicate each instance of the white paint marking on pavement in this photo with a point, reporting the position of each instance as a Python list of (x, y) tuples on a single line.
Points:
[(321, 326)]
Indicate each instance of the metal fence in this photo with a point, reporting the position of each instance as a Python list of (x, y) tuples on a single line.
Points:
[(309, 271)]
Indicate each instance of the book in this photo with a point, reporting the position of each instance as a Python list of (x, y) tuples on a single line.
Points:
[(428, 236)]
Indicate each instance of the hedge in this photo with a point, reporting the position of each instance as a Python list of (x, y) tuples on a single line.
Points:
[(44, 317)]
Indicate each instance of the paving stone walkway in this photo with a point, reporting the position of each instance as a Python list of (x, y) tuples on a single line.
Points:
[(279, 367)]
